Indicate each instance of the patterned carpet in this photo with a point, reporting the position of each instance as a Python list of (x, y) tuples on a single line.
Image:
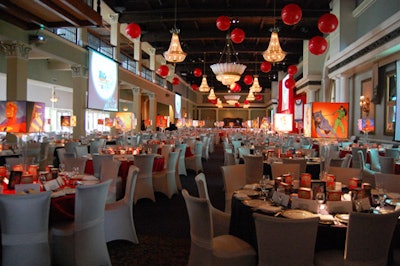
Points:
[(163, 226)]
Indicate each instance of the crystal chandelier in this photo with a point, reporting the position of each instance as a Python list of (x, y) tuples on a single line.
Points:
[(54, 97), (175, 54), (274, 53), (204, 85), (212, 95), (232, 99), (256, 85), (228, 72), (250, 97)]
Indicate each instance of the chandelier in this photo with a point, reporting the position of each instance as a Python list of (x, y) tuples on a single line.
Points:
[(232, 99), (204, 85), (212, 95), (274, 52), (256, 85), (250, 97), (54, 97), (228, 72), (175, 53)]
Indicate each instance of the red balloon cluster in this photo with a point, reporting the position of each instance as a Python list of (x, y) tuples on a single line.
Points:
[(248, 79), (197, 72), (223, 23), (292, 69), (133, 30), (163, 71), (327, 23), (246, 102), (290, 83), (291, 14), (235, 87), (317, 45), (213, 101), (258, 97), (175, 81), (237, 104), (237, 35), (265, 67), (195, 87)]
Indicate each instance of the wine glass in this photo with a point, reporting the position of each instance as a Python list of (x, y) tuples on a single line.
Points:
[(320, 198), (61, 167), (381, 196)]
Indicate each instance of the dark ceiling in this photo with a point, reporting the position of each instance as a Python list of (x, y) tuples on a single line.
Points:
[(200, 38)]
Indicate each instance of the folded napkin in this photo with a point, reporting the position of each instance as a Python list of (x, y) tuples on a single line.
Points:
[(241, 196), (326, 218), (253, 186), (269, 208)]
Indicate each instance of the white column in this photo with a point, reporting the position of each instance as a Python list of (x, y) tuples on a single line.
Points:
[(115, 35), (79, 81), (152, 110), (137, 107)]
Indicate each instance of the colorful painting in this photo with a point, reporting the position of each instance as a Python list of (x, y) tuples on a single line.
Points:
[(123, 120), (283, 122), (366, 125), (35, 111), (13, 116), (307, 120), (330, 120)]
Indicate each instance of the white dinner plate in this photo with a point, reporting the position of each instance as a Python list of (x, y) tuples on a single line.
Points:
[(249, 192), (254, 203), (297, 214)]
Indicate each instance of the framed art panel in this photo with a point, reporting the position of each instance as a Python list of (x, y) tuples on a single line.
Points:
[(390, 106)]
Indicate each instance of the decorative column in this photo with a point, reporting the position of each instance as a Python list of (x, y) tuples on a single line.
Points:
[(152, 110), (115, 35), (17, 54), (137, 107), (341, 89), (310, 94), (79, 81)]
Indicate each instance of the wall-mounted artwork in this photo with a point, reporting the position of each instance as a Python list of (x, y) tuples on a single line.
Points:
[(329, 120)]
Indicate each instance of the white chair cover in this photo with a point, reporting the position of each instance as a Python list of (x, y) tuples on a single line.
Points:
[(97, 160), (387, 164), (368, 175), (221, 220), (71, 162), (181, 163), (109, 171), (374, 156), (254, 168), (343, 175), (390, 182), (81, 150), (165, 181), (285, 241), (82, 242), (300, 161), (144, 183), (279, 169), (118, 219), (194, 162), (208, 250), (24, 229), (234, 178)]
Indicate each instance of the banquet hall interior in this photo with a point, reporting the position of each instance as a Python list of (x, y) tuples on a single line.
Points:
[(171, 132)]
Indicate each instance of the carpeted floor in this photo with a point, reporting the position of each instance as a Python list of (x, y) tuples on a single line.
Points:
[(163, 226)]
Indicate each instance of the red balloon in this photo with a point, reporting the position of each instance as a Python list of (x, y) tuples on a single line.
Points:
[(223, 23), (175, 81), (197, 72), (327, 23), (163, 71), (258, 97), (235, 87), (237, 35), (248, 79), (246, 102), (195, 87), (292, 69), (266, 67), (317, 45), (133, 30), (291, 14), (213, 101), (290, 83), (237, 104)]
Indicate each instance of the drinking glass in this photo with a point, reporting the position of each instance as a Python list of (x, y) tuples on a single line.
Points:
[(381, 196), (320, 198), (61, 167)]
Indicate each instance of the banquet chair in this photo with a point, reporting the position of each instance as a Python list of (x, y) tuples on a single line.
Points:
[(144, 182), (343, 175), (205, 249), (25, 243), (97, 160), (191, 143), (33, 150), (374, 157), (279, 169), (368, 240), (347, 161), (221, 220), (356, 163), (302, 162), (177, 177), (82, 242), (152, 146), (95, 146), (285, 241), (206, 148), (44, 155), (390, 182), (307, 152), (254, 166), (165, 181), (234, 179), (72, 162), (392, 152), (387, 164), (118, 217), (70, 147), (81, 151), (109, 171), (194, 162), (165, 150), (181, 160), (367, 175), (229, 157), (242, 151), (236, 144)]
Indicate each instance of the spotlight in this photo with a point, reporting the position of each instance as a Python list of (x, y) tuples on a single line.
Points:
[(37, 39)]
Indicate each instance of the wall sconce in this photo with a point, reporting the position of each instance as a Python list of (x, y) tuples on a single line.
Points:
[(364, 104)]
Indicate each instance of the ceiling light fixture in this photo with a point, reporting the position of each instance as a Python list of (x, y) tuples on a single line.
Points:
[(54, 97), (212, 95), (256, 85), (230, 71), (250, 97), (175, 54), (204, 85), (232, 99), (274, 52)]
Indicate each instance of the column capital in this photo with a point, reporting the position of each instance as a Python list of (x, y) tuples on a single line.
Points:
[(136, 90), (152, 51), (15, 48), (113, 17), (152, 96), (79, 71)]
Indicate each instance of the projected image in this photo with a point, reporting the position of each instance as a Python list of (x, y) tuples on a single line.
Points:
[(37, 117), (13, 116), (366, 125), (283, 122), (178, 106), (103, 82), (330, 120)]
